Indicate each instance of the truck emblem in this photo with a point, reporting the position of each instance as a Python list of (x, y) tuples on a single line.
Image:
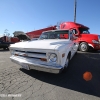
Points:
[(25, 55)]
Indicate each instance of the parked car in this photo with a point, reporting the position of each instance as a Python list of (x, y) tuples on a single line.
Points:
[(22, 36), (4, 45), (50, 53)]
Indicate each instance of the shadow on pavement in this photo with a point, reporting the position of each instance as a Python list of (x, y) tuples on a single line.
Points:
[(73, 78)]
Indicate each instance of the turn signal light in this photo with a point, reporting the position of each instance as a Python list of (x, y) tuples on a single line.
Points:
[(63, 55), (16, 54), (43, 59)]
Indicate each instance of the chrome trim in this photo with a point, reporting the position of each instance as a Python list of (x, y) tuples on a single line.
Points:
[(53, 68), (30, 54), (91, 45)]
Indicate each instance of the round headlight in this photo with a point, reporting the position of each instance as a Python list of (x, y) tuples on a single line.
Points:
[(53, 57)]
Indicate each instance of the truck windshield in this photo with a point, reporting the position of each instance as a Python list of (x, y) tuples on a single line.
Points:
[(84, 31), (55, 35)]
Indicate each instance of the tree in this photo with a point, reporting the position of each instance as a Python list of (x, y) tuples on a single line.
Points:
[(6, 32), (58, 24)]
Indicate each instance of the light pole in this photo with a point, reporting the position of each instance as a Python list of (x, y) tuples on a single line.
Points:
[(75, 4)]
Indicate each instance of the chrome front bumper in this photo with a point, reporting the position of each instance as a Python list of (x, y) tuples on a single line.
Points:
[(37, 66)]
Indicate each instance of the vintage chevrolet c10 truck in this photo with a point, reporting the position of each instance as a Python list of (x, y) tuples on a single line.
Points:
[(50, 53)]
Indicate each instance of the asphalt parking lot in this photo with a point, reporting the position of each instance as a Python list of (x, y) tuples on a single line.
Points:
[(37, 85)]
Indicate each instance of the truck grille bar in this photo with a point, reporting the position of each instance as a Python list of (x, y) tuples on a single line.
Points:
[(30, 54)]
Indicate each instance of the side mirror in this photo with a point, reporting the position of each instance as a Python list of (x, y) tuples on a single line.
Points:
[(73, 37), (75, 32)]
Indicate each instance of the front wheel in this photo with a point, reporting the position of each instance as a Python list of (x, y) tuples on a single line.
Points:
[(83, 47)]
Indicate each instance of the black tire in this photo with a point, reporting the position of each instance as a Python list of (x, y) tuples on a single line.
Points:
[(4, 48), (83, 47)]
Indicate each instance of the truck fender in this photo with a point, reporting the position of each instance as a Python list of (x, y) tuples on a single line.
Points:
[(87, 43), (67, 55), (90, 45)]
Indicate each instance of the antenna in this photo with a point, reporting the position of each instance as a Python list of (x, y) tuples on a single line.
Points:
[(75, 4), (58, 24)]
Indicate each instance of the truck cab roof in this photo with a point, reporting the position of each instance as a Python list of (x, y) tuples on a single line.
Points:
[(69, 25)]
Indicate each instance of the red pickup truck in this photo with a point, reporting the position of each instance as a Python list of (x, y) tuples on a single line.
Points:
[(83, 37)]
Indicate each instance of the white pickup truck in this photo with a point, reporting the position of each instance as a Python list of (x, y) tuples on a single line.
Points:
[(50, 53)]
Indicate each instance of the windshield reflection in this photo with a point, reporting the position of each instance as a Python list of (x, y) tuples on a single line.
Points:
[(84, 31), (55, 35)]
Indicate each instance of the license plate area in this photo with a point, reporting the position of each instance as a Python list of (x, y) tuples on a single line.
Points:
[(25, 66)]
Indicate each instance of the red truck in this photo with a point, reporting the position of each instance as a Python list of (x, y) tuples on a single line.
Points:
[(37, 33), (5, 41), (83, 37)]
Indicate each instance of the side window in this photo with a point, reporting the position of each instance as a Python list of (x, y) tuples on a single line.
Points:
[(74, 31)]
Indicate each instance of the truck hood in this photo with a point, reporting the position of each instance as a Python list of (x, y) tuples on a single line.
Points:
[(91, 36), (21, 35), (41, 44)]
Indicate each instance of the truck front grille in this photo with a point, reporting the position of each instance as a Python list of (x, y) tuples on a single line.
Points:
[(30, 54)]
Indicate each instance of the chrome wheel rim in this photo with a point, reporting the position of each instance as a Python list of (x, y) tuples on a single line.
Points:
[(83, 47)]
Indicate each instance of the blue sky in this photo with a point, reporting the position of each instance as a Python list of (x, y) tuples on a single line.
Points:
[(27, 15)]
